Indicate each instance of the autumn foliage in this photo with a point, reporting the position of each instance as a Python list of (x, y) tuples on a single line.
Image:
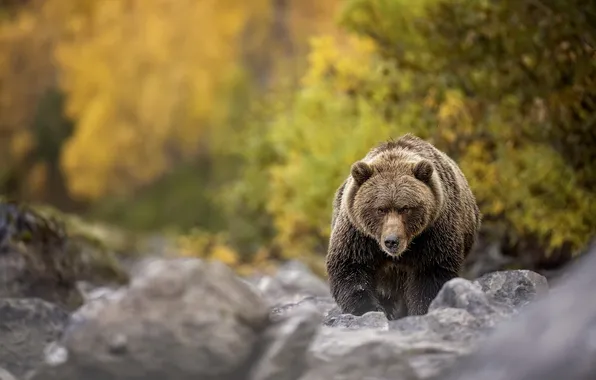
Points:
[(235, 121), (512, 102)]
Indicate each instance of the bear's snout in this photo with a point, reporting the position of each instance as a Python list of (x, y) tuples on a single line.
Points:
[(391, 243), (393, 239)]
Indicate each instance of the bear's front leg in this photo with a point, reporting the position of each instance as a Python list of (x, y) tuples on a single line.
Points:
[(353, 297), (423, 286), (394, 300), (352, 287)]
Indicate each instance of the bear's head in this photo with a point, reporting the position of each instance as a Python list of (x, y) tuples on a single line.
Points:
[(393, 201)]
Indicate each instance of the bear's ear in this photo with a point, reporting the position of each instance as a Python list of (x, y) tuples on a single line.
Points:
[(361, 172), (423, 170)]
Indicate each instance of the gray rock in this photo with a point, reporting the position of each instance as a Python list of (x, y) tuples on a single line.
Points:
[(325, 305), (190, 319), (19, 280), (419, 347), (448, 324), (39, 258), (459, 293), (515, 288), (292, 282), (90, 292), (26, 326), (286, 343), (551, 339), (494, 297), (93, 307), (179, 319), (360, 354), (5, 375), (370, 320), (416, 347)]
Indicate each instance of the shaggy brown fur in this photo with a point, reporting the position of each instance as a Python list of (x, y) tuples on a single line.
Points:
[(402, 224)]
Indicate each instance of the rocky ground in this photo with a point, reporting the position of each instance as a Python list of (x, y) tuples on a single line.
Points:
[(186, 318), (190, 319)]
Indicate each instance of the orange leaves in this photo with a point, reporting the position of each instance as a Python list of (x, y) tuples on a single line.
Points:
[(312, 17), (25, 73), (143, 79), (348, 62)]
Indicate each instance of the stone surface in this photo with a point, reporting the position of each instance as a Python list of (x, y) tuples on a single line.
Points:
[(5, 375), (371, 320), (190, 319), (39, 259), (513, 288), (551, 339), (26, 326), (179, 319), (360, 354), (285, 343), (325, 305), (416, 347), (292, 282), (24, 274)]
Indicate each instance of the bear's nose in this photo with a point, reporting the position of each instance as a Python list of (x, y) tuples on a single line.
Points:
[(391, 242)]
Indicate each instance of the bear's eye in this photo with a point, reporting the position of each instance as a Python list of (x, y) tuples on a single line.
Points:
[(403, 210), (380, 211)]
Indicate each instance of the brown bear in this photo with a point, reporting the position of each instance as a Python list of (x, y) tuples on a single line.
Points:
[(402, 224)]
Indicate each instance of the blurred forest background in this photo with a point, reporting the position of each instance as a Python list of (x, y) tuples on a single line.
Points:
[(229, 124)]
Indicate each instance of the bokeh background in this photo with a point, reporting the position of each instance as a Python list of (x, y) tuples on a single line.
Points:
[(226, 126)]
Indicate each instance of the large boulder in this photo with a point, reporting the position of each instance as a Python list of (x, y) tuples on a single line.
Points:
[(552, 339), (26, 326), (285, 343), (419, 347), (42, 256), (178, 319), (191, 319), (292, 282), (5, 375)]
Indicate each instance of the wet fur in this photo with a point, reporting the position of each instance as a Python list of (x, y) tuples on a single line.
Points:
[(439, 231)]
